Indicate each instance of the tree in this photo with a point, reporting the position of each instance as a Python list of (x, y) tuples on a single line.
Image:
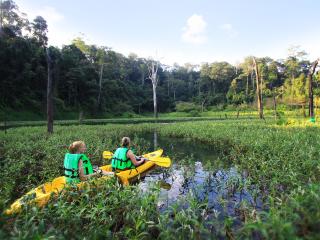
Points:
[(273, 80), (49, 93), (294, 66), (101, 55), (40, 30), (310, 75), (247, 67), (236, 94), (215, 80), (258, 91), (11, 20), (153, 69)]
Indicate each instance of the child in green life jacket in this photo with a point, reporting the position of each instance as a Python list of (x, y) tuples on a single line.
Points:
[(77, 166), (124, 159)]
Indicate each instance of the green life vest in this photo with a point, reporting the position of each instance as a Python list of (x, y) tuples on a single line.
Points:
[(120, 160), (71, 170)]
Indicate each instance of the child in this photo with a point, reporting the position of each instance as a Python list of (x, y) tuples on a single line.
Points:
[(77, 166), (124, 159)]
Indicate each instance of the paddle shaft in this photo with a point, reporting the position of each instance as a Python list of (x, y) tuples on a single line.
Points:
[(160, 161)]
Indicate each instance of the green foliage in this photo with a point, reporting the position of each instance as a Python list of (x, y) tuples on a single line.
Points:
[(94, 80), (280, 162), (186, 107), (102, 211), (295, 217)]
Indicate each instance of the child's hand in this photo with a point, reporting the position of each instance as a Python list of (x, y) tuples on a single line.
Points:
[(105, 173)]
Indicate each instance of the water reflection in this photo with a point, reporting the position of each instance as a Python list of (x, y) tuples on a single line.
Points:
[(198, 169), (155, 140)]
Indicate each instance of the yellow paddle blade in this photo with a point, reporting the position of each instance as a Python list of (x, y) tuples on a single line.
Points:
[(161, 161), (107, 155)]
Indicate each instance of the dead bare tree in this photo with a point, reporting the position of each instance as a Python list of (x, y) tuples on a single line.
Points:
[(258, 91), (49, 93), (153, 69), (310, 76)]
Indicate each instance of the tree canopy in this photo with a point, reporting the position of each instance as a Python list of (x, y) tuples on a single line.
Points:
[(98, 80)]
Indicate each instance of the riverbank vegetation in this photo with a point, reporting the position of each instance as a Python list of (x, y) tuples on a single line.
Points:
[(278, 164)]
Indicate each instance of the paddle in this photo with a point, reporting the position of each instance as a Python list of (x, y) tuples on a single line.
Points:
[(107, 155), (160, 161)]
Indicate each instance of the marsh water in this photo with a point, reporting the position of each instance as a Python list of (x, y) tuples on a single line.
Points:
[(200, 172)]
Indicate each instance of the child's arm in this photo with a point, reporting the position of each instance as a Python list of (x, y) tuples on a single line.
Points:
[(84, 177), (133, 159)]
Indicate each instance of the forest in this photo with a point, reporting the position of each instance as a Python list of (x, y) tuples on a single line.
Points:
[(97, 82)]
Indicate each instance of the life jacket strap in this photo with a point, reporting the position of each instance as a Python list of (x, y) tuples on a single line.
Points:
[(72, 173), (71, 176)]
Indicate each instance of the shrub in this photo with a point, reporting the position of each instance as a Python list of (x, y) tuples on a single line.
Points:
[(194, 113), (186, 107)]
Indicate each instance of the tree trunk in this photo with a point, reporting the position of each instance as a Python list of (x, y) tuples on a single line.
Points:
[(142, 79), (274, 105), (5, 122), (247, 87), (49, 94), (202, 105), (155, 140), (310, 75), (153, 69), (258, 92), (155, 112), (80, 116), (292, 82), (303, 111), (261, 86), (252, 80), (100, 86)]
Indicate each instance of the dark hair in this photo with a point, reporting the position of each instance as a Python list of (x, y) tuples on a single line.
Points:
[(125, 142)]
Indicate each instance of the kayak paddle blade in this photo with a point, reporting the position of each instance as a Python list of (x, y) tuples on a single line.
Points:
[(107, 155), (162, 161)]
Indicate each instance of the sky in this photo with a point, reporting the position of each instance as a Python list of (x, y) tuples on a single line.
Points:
[(184, 31)]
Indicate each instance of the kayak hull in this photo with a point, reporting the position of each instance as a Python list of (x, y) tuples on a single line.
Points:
[(41, 194)]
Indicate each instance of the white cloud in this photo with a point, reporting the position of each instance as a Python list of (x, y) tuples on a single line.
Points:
[(195, 30), (55, 21), (229, 30), (56, 35), (311, 46), (50, 14)]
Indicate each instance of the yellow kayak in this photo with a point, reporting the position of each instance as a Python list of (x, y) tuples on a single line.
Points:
[(41, 195), (133, 174)]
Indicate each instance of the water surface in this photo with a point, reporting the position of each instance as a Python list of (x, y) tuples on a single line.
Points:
[(200, 172)]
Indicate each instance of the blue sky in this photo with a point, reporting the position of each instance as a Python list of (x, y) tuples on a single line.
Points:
[(182, 31)]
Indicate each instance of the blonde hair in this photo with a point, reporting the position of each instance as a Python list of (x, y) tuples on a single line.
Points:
[(75, 146), (125, 142)]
